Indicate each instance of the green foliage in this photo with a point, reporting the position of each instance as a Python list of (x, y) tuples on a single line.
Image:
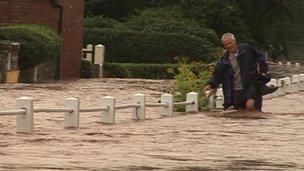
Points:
[(258, 22), (121, 9), (38, 43), (276, 52), (220, 15), (131, 70), (86, 69), (102, 22), (3, 65), (170, 20), (191, 78), (140, 47)]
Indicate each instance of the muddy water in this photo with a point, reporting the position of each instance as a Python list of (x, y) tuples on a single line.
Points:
[(272, 140)]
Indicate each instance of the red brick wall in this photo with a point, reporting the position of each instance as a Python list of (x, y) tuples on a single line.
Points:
[(72, 32), (44, 12)]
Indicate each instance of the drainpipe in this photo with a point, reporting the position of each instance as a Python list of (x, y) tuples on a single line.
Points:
[(56, 4)]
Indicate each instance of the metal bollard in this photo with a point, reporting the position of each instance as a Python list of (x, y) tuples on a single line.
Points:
[(108, 116), (219, 101), (295, 84), (192, 96), (71, 119), (167, 110), (25, 121), (139, 113), (275, 83), (211, 102), (282, 87), (287, 81), (301, 82)]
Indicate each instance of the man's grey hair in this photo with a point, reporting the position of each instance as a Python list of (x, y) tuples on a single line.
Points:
[(228, 35)]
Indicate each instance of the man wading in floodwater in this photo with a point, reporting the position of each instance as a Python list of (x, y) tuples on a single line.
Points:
[(241, 71)]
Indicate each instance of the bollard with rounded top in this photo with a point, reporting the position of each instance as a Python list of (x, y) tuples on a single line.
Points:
[(167, 110), (274, 82), (139, 113), (297, 64), (287, 81), (99, 54), (295, 83), (280, 63), (99, 58), (25, 121), (71, 119), (301, 82), (108, 116), (219, 100), (282, 87), (192, 96), (288, 64)]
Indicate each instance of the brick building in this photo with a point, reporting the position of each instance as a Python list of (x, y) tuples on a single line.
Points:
[(63, 16)]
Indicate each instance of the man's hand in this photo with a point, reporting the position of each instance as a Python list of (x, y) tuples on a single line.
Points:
[(263, 67), (206, 88), (211, 91)]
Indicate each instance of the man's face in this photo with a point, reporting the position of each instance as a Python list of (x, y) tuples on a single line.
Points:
[(230, 44)]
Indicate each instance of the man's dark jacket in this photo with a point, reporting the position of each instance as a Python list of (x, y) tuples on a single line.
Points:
[(249, 59)]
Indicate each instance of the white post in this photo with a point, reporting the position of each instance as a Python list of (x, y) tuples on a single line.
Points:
[(280, 63), (25, 121), (99, 58), (297, 64), (210, 100), (109, 115), (35, 74), (287, 84), (274, 82), (71, 119), (192, 96), (139, 113), (99, 54), (301, 82), (168, 110), (219, 101), (89, 55), (288, 64), (100, 70), (282, 87), (295, 84), (268, 96)]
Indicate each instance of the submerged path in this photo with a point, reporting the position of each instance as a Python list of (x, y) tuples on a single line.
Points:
[(272, 140)]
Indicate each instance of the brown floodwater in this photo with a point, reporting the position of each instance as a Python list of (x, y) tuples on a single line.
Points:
[(272, 140)]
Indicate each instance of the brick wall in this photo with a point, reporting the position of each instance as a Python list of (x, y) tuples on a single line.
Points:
[(72, 31), (44, 12)]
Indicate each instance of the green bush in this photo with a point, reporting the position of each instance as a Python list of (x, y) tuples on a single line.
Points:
[(101, 22), (86, 69), (131, 70), (141, 47), (38, 43), (3, 65), (170, 20), (191, 77)]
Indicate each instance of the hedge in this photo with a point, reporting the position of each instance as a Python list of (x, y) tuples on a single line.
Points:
[(141, 47), (38, 43), (130, 70)]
